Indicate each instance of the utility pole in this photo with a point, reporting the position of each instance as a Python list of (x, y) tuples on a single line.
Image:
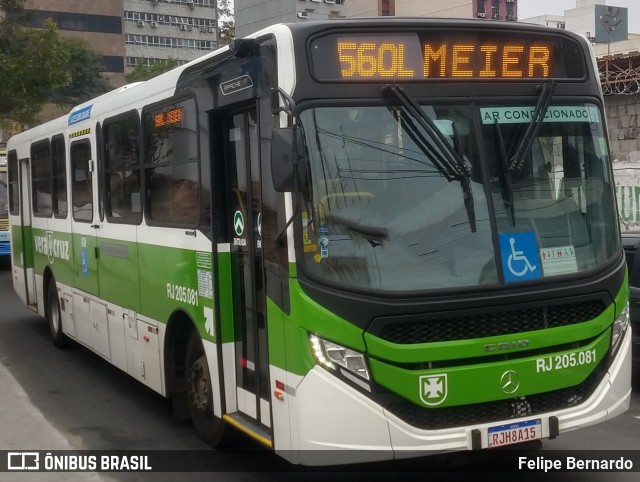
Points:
[(610, 21)]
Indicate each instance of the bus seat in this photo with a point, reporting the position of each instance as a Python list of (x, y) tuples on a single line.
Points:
[(82, 200), (115, 193), (586, 192), (557, 222), (185, 201), (43, 200)]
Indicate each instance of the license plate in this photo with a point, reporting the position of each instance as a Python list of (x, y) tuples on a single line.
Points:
[(514, 433)]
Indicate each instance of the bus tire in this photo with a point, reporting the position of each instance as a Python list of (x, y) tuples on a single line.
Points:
[(54, 317), (200, 394)]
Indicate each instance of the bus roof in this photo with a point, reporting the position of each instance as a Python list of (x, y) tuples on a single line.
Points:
[(164, 85)]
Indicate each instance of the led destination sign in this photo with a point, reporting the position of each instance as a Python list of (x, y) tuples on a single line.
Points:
[(411, 57), (168, 118)]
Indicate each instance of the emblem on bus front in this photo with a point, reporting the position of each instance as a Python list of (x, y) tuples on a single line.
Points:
[(433, 389), (509, 382)]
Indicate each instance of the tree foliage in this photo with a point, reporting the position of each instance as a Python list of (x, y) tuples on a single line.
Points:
[(35, 63), (226, 22), (143, 72), (29, 70), (84, 81)]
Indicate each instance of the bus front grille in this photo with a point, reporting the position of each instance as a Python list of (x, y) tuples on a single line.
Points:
[(492, 323)]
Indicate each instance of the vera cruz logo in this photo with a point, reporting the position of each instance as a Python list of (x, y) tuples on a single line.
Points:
[(433, 389), (51, 247)]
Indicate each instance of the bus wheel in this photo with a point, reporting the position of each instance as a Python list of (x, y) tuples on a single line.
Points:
[(200, 394), (60, 340)]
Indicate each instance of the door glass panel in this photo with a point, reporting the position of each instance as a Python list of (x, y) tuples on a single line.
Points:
[(246, 258), (241, 267), (41, 178), (82, 189)]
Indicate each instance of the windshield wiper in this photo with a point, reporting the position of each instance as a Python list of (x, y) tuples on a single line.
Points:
[(448, 161), (544, 99), (505, 175), (517, 161), (373, 234)]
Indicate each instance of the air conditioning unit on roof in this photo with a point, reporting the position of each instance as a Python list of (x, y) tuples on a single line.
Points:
[(140, 23), (303, 15), (481, 14), (154, 24), (183, 27)]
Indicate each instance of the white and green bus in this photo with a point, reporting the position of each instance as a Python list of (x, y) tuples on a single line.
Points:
[(353, 240)]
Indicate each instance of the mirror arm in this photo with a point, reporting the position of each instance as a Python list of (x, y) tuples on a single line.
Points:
[(289, 104)]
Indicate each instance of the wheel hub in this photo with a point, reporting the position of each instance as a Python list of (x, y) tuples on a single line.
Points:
[(199, 384)]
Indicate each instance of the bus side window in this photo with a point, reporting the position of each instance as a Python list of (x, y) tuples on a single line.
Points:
[(122, 170), (171, 165), (41, 178), (14, 185), (82, 188)]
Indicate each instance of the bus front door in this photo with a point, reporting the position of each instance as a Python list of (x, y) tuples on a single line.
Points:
[(242, 281), (22, 241)]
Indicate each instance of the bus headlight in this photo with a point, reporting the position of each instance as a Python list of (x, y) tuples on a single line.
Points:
[(619, 327), (349, 363)]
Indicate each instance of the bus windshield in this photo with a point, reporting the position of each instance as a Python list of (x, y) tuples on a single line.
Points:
[(382, 212)]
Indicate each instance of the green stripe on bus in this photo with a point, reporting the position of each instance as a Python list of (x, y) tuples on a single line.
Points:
[(485, 382)]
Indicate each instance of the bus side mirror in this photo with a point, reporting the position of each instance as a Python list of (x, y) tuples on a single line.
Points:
[(285, 159)]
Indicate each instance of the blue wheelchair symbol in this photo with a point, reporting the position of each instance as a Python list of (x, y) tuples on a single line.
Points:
[(520, 256), (85, 263)]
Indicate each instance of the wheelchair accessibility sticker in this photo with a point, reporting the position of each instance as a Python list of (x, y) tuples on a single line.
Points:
[(520, 257)]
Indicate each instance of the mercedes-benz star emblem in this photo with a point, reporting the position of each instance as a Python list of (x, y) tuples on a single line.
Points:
[(509, 382)]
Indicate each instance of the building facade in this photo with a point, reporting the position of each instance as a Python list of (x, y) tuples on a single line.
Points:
[(553, 21), (599, 23), (99, 24), (157, 31), (253, 15), (489, 9), (131, 32)]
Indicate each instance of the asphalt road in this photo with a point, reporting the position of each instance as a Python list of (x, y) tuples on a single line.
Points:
[(95, 406)]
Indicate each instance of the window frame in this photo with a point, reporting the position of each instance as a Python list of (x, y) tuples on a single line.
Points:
[(89, 171), (107, 169), (156, 108), (13, 183), (38, 213), (55, 175)]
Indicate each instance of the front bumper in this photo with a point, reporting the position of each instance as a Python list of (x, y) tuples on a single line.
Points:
[(336, 424)]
